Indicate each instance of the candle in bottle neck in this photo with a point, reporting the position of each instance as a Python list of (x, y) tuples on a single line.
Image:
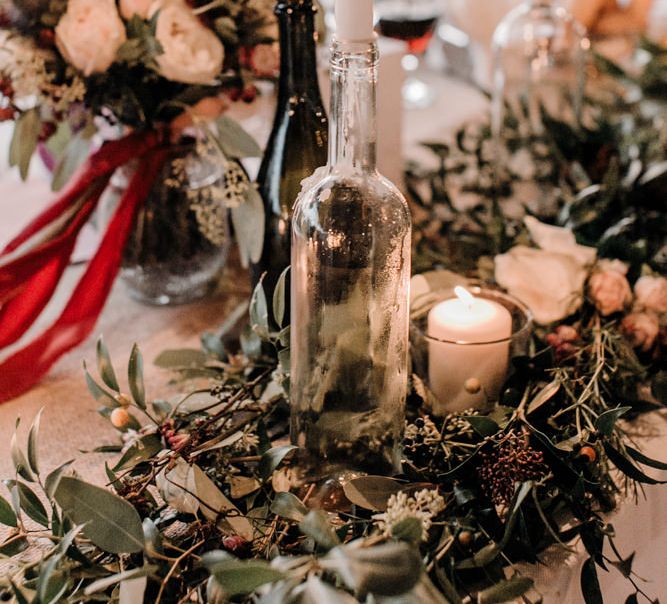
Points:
[(469, 338)]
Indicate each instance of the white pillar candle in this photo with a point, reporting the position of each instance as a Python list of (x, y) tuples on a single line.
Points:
[(469, 339)]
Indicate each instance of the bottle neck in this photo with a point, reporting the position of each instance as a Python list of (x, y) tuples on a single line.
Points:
[(298, 59), (352, 125)]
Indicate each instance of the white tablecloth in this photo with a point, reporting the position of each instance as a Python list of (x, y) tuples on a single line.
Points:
[(70, 422)]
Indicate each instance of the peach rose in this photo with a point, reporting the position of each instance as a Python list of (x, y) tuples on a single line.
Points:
[(192, 53), (265, 60), (609, 289), (89, 34), (651, 293), (641, 329)]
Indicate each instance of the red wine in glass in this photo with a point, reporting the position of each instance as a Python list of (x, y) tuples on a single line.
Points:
[(416, 31)]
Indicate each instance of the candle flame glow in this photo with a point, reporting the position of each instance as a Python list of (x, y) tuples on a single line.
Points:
[(464, 295)]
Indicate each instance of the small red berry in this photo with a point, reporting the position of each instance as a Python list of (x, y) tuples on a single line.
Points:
[(234, 543), (589, 453), (249, 94)]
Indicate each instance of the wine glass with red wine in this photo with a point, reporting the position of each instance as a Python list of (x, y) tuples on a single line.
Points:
[(412, 21)]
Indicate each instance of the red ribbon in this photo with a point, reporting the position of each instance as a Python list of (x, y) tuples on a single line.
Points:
[(33, 263)]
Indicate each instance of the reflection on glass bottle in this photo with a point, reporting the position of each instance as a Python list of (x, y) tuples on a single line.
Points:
[(350, 284), (539, 75), (298, 141)]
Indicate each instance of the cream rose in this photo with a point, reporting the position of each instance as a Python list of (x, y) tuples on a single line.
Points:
[(550, 283), (651, 293), (89, 34), (192, 53), (129, 8), (609, 289)]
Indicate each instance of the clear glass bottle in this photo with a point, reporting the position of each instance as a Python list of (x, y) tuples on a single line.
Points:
[(350, 286)]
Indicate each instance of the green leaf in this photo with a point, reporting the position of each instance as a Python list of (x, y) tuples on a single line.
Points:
[(272, 459), (279, 296), (142, 450), (32, 443), (110, 522), (481, 558), (259, 311), (484, 426), (606, 422), (181, 359), (544, 396), (99, 394), (73, 156), (234, 141), (106, 582), (30, 503), (53, 479), (372, 492), (24, 141), (643, 459), (316, 525), (20, 462), (135, 375), (7, 515), (627, 467), (51, 583), (409, 530), (105, 367), (248, 221), (288, 506), (590, 585), (391, 569), (239, 576), (505, 591)]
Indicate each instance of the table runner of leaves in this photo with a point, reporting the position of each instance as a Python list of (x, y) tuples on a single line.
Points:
[(202, 503)]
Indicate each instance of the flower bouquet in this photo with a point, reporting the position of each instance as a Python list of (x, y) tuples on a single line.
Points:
[(125, 103)]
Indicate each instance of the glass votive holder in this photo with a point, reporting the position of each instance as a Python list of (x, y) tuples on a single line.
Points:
[(462, 342)]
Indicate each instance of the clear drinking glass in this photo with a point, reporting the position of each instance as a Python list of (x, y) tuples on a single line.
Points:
[(412, 21)]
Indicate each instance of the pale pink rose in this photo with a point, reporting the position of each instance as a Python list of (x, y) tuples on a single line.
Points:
[(265, 60), (89, 34), (129, 8), (651, 293), (610, 291), (641, 329), (192, 53)]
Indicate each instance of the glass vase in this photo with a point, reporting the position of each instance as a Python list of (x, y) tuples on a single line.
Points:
[(180, 241), (540, 54)]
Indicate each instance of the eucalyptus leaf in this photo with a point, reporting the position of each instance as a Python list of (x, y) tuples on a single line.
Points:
[(24, 140), (288, 505), (606, 422), (259, 311), (248, 221), (7, 515), (135, 375), (239, 576), (180, 359), (234, 141), (372, 492), (106, 582), (544, 396), (316, 525), (53, 478), (105, 367), (33, 435), (484, 426), (643, 459), (386, 570), (110, 522), (505, 591), (30, 503), (99, 394), (590, 585), (143, 449), (279, 297), (272, 459), (20, 462), (73, 156), (627, 467), (51, 583)]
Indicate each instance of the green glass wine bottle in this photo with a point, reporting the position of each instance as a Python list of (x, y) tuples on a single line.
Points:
[(299, 138)]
